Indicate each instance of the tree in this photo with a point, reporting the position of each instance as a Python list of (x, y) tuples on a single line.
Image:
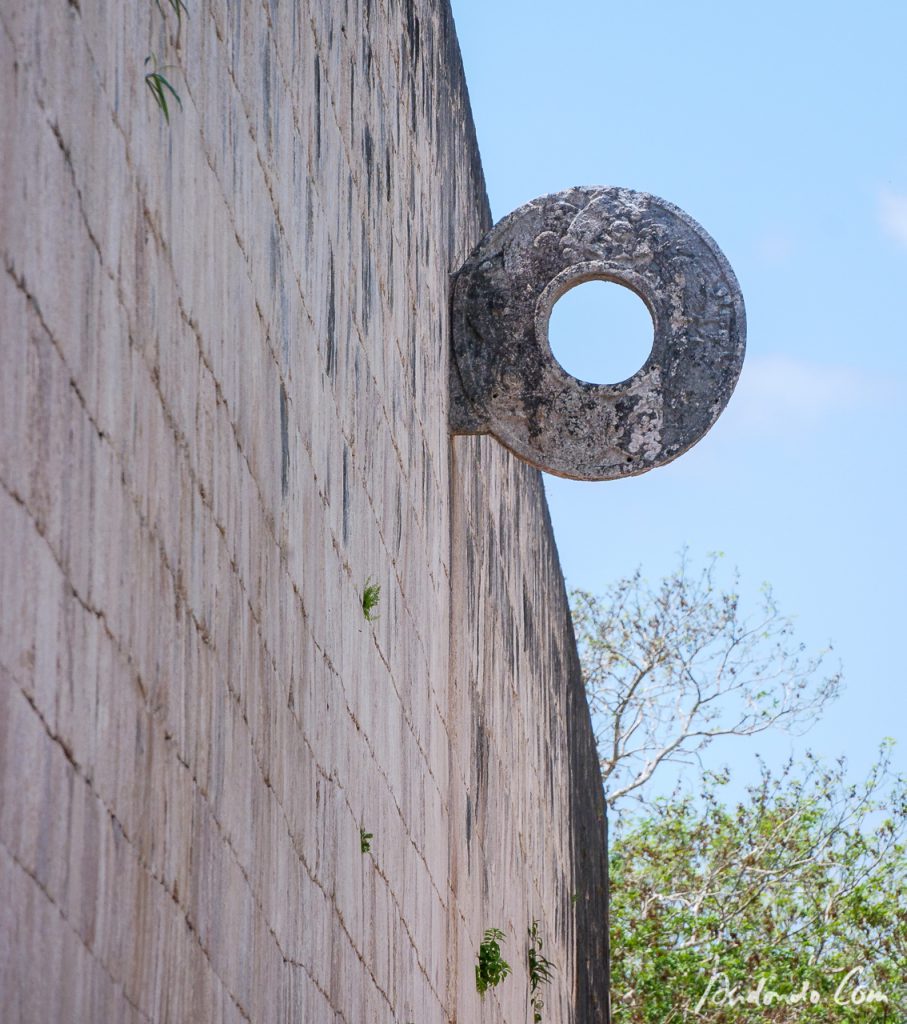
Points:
[(788, 905), (669, 668), (796, 897)]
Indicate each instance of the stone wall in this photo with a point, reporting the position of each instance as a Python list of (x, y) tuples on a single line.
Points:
[(223, 408)]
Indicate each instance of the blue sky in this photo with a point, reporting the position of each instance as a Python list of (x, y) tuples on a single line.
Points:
[(782, 129)]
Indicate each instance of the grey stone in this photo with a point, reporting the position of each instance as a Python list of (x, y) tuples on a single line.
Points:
[(506, 381)]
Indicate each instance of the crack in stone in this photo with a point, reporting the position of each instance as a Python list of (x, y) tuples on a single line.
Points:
[(117, 984), (115, 821)]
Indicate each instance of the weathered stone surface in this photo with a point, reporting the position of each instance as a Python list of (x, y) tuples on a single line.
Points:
[(223, 408), (509, 384)]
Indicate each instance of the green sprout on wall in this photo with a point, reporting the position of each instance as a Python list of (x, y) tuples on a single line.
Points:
[(178, 8), (155, 79), (540, 968), (491, 969), (365, 840), (159, 86), (371, 595)]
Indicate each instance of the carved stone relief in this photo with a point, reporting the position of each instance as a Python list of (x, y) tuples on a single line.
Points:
[(505, 379)]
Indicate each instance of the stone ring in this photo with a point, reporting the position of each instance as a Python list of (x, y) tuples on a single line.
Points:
[(506, 380)]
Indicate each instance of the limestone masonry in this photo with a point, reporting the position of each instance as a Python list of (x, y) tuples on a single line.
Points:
[(224, 406)]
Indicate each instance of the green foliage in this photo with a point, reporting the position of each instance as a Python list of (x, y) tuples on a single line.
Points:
[(540, 968), (491, 969), (160, 86), (371, 595), (800, 888), (178, 8), (157, 82), (365, 840), (788, 905)]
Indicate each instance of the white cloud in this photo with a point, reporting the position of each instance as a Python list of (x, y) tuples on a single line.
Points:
[(779, 395), (893, 214)]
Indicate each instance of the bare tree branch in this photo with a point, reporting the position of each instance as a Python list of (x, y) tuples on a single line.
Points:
[(676, 664)]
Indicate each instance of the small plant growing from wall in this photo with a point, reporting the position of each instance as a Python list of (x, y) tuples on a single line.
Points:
[(365, 840), (178, 7), (159, 86), (540, 968), (157, 82), (491, 969), (371, 595)]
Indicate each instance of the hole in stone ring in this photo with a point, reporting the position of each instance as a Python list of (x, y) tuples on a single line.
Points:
[(600, 332)]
